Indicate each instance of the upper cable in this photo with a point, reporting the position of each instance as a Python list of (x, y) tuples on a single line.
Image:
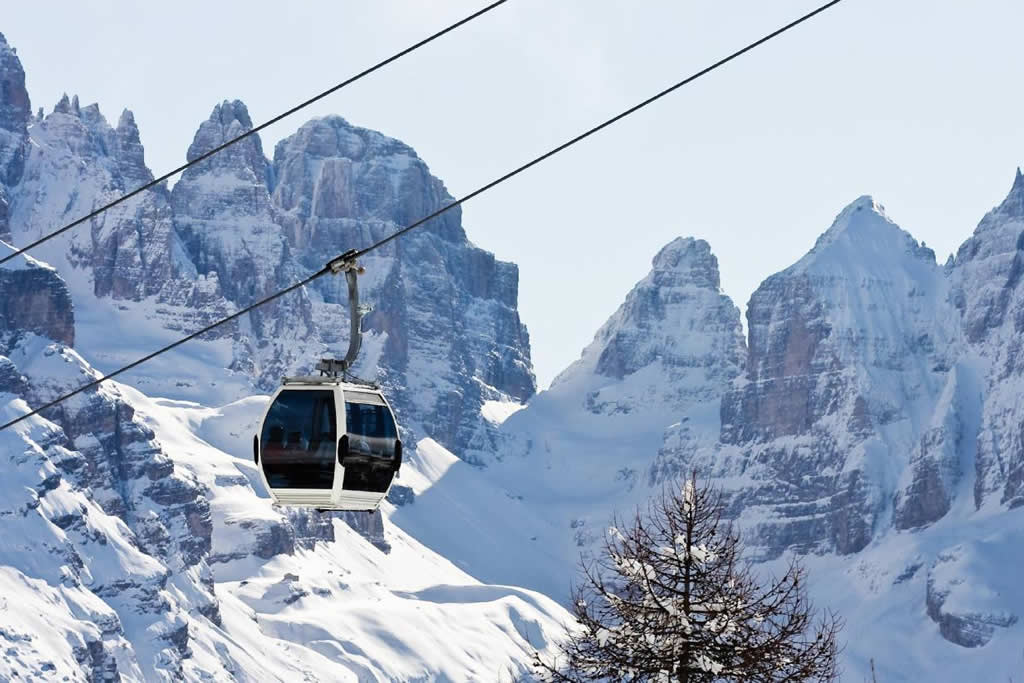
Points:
[(337, 264)]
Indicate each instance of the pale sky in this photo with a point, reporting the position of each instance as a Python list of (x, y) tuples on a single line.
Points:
[(916, 102)]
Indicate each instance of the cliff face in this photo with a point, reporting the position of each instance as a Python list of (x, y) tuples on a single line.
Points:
[(444, 332), (35, 299), (677, 320), (95, 508), (986, 275), (443, 324), (851, 350), (15, 113)]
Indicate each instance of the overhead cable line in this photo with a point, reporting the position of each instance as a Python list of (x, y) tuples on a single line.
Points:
[(341, 262), (316, 98), (600, 126)]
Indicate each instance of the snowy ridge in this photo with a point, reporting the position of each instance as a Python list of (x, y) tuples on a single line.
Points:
[(849, 435), (147, 553), (239, 226), (871, 423), (138, 538)]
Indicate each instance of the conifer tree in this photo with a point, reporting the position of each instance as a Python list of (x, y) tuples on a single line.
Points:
[(671, 600)]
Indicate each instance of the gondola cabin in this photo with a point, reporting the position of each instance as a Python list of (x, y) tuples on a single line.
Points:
[(328, 444)]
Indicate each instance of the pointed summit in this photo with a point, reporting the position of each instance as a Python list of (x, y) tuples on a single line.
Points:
[(15, 108), (1014, 203), (228, 120), (687, 260), (63, 105), (863, 233), (1000, 226), (1013, 206), (130, 152), (673, 318)]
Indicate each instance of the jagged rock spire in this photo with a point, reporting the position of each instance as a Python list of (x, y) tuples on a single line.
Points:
[(228, 120), (15, 113)]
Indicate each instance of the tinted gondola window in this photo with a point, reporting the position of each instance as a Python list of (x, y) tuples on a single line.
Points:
[(371, 445), (299, 440)]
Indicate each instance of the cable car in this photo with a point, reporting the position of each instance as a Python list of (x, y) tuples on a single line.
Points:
[(328, 444)]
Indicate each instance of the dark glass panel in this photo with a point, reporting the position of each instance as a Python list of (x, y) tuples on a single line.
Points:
[(299, 440), (372, 436)]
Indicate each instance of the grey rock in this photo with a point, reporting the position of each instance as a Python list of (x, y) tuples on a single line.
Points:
[(401, 496), (33, 298), (845, 347), (987, 289), (15, 114)]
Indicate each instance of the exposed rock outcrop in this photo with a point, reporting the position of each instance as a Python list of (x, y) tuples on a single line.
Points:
[(35, 299), (15, 114), (966, 607), (850, 350)]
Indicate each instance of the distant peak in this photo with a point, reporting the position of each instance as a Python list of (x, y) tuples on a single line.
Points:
[(690, 257), (864, 203), (864, 228), (672, 254), (63, 105), (229, 111), (853, 214), (1013, 205), (229, 119), (3, 41), (127, 120)]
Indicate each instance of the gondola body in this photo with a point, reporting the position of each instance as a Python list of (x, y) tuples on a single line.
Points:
[(328, 444)]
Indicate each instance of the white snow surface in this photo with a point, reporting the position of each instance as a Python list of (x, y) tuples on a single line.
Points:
[(343, 611), (480, 562), (584, 450)]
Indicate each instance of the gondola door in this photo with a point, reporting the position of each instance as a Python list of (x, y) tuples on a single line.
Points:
[(369, 449)]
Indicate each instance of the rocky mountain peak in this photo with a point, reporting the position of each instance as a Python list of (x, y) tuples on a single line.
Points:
[(989, 264), (997, 227), (864, 232), (687, 260), (1013, 205), (66, 105), (228, 120), (987, 277), (130, 153), (675, 326), (15, 108), (330, 172)]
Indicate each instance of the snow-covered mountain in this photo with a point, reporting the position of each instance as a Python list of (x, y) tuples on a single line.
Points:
[(136, 541), (851, 428), (133, 547), (237, 227), (870, 421), (852, 352)]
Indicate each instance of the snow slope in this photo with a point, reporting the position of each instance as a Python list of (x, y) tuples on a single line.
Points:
[(846, 432), (338, 609)]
